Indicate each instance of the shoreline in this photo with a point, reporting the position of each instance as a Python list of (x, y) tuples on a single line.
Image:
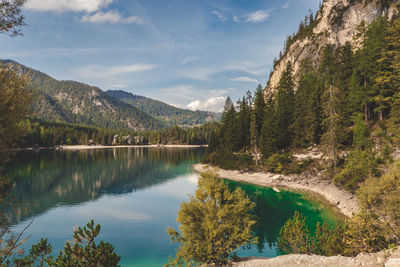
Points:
[(86, 147), (345, 202)]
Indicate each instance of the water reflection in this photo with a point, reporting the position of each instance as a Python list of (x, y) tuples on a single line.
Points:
[(273, 209), (45, 179)]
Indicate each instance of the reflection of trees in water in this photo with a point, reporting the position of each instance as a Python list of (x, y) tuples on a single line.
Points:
[(42, 180), (274, 209)]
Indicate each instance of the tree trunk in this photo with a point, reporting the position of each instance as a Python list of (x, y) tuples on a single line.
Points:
[(255, 150), (366, 112)]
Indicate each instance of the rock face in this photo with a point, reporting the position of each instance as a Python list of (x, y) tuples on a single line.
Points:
[(337, 21)]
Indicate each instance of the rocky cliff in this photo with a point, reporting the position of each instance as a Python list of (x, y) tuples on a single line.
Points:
[(334, 24)]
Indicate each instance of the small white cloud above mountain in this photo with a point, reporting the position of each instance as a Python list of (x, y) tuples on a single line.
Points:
[(214, 104)]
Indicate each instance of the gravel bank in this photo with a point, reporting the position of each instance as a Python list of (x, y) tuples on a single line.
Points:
[(365, 260), (345, 202)]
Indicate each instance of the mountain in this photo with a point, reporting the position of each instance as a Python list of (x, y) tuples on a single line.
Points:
[(334, 24), (171, 115), (79, 103)]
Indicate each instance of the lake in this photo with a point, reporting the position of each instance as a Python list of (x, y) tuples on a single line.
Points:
[(134, 193)]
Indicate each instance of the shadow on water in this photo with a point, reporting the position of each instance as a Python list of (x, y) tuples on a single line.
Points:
[(45, 179)]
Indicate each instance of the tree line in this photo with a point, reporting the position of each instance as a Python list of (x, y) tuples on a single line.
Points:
[(49, 134), (346, 102)]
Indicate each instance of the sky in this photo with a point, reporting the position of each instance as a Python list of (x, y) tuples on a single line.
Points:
[(188, 53)]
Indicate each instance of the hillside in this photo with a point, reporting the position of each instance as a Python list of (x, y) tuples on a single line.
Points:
[(330, 111), (171, 115), (334, 24), (79, 103)]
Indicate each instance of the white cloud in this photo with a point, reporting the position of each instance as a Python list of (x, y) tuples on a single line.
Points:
[(287, 5), (257, 16), (244, 79), (107, 72), (254, 17), (219, 15), (215, 104), (111, 17), (67, 5)]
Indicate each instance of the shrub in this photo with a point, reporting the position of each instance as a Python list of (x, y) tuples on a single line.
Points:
[(213, 224)]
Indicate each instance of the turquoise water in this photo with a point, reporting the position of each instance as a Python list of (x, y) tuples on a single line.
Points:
[(134, 194)]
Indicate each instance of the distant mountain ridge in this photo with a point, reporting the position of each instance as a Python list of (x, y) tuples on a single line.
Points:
[(170, 114), (79, 103)]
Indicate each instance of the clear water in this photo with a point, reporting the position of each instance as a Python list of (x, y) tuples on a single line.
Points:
[(134, 194)]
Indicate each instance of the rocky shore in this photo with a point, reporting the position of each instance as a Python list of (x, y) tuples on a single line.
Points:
[(387, 258), (345, 202)]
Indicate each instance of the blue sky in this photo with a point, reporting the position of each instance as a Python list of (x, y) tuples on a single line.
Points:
[(189, 53)]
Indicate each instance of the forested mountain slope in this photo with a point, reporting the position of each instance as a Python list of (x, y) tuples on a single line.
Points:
[(334, 24), (336, 93), (171, 115), (79, 103)]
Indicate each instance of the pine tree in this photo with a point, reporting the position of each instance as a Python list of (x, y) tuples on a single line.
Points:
[(306, 125), (364, 88), (268, 138), (388, 78), (244, 116), (333, 137), (254, 137), (229, 128), (259, 108), (213, 223), (285, 107)]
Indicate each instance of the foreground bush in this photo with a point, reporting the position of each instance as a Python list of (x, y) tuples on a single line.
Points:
[(295, 237), (378, 225), (214, 223), (82, 252)]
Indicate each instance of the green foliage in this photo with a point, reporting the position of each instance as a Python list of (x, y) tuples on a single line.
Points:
[(268, 138), (259, 108), (359, 165), (307, 121), (244, 117), (361, 135), (11, 19), (328, 240), (295, 237), (83, 252), (39, 255), (47, 134), (15, 99), (78, 103), (305, 30), (213, 223), (285, 108), (278, 163), (377, 226)]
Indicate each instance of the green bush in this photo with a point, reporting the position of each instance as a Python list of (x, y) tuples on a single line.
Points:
[(359, 165), (294, 237), (82, 252)]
